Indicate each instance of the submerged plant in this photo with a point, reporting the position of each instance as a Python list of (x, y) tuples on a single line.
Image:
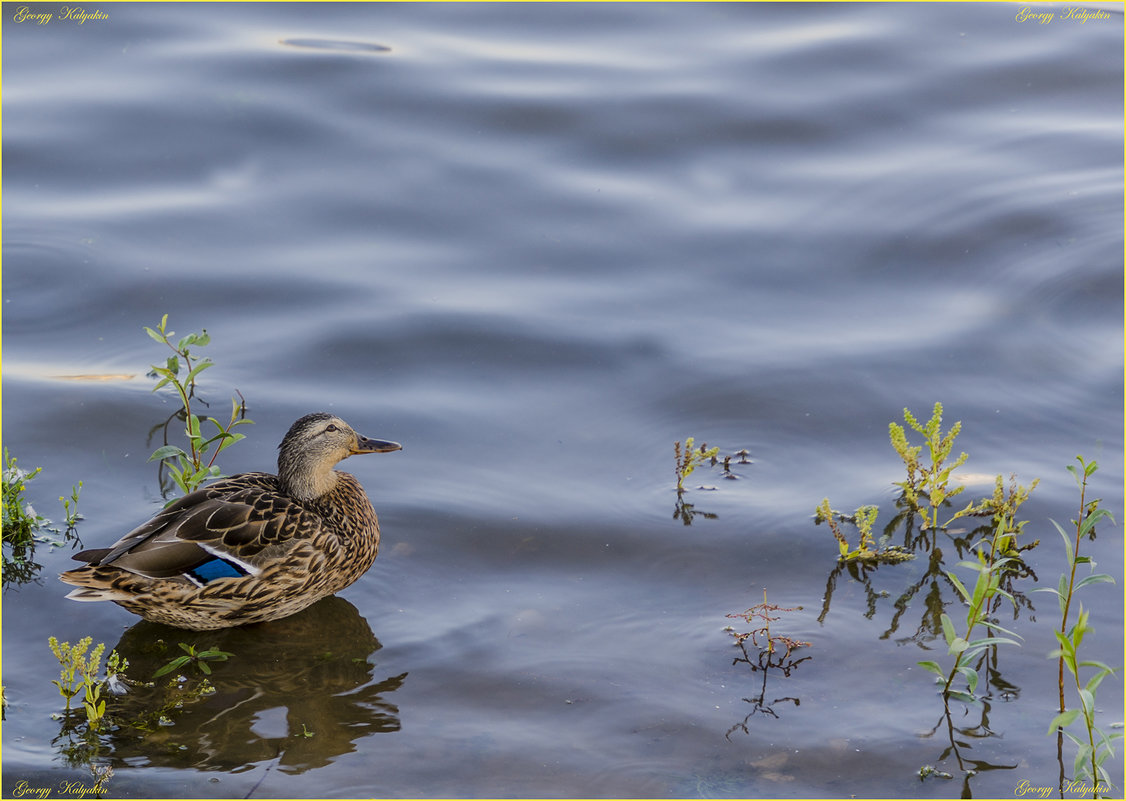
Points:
[(1097, 746), (192, 467), (931, 480)]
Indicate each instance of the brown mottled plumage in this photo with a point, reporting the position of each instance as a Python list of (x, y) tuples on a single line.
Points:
[(249, 548)]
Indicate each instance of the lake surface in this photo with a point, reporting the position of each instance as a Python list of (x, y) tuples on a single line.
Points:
[(538, 245)]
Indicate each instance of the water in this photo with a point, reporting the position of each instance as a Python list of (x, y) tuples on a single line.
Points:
[(537, 245)]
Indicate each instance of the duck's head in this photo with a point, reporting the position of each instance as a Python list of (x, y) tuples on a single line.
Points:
[(313, 446)]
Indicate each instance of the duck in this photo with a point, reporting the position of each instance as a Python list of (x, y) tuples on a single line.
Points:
[(248, 548)]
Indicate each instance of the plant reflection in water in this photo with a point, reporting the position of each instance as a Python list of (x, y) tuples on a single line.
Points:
[(312, 672)]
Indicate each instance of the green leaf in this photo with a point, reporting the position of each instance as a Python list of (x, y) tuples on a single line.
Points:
[(985, 642), (1081, 760), (1003, 630), (958, 646), (948, 629), (971, 677), (965, 698), (1066, 541), (1088, 699), (1063, 720), (1094, 682), (959, 586), (1065, 642), (229, 440), (933, 667), (199, 368), (173, 665), (1097, 578), (165, 452), (154, 335)]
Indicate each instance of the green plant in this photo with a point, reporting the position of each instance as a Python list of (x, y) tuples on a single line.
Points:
[(689, 459), (22, 524), (999, 507), (20, 520), (79, 675), (990, 568), (198, 659), (1097, 747), (866, 550), (192, 467), (70, 513), (931, 480)]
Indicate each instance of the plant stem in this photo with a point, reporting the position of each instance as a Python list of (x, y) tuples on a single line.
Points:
[(1071, 579)]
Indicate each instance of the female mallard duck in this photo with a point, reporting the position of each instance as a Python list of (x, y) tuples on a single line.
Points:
[(251, 547)]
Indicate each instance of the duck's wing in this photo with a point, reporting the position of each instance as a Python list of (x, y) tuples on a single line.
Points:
[(229, 528)]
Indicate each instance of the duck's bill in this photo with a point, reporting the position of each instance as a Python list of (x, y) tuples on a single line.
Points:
[(365, 445)]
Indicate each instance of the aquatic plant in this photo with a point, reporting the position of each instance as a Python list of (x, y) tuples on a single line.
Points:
[(999, 507), (764, 612), (1098, 745), (930, 480), (990, 568), (198, 659), (20, 520), (192, 467), (926, 771), (79, 674), (775, 651), (23, 527), (864, 519), (79, 741), (688, 459)]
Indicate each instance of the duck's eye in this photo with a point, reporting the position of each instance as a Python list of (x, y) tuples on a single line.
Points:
[(331, 427)]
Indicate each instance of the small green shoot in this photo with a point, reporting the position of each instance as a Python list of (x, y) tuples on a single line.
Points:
[(197, 659)]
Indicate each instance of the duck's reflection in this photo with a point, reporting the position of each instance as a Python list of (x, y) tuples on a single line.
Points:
[(299, 691)]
